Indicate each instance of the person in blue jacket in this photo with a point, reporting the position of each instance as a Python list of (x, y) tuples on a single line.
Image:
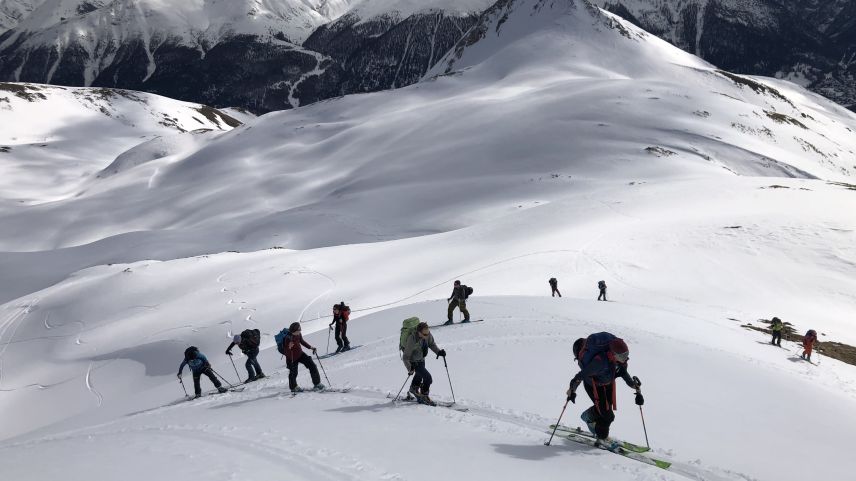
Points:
[(198, 366), (602, 358)]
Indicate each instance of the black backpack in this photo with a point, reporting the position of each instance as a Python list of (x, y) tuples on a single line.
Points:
[(191, 352), (601, 285), (553, 281), (250, 339), (467, 290)]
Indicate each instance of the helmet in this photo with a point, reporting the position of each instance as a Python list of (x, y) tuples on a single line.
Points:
[(618, 350)]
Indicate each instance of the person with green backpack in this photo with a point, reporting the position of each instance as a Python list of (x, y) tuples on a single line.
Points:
[(416, 339)]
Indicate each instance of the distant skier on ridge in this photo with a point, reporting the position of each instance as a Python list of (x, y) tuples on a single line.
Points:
[(554, 287), (199, 365), (809, 343), (601, 285), (458, 299), (602, 357)]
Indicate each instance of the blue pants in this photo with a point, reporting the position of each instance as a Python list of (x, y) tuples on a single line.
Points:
[(252, 364), (421, 378)]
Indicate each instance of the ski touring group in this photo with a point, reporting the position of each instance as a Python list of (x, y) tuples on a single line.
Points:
[(601, 358)]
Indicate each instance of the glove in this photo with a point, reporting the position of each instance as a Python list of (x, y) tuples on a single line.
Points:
[(572, 397), (637, 381), (178, 375), (410, 372), (441, 353), (314, 351), (228, 353), (639, 399)]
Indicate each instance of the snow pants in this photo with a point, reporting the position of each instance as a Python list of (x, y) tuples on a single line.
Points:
[(459, 303), (602, 296), (601, 413), (197, 387), (252, 364), (555, 290), (341, 334), (777, 338), (292, 370), (421, 378)]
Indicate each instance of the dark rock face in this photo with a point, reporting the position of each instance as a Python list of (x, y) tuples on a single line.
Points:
[(809, 41), (260, 75)]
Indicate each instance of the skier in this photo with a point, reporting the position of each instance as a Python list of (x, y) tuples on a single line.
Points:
[(414, 349), (458, 299), (809, 342), (601, 285), (554, 286), (776, 326), (602, 358), (341, 314), (248, 342), (294, 354), (199, 365)]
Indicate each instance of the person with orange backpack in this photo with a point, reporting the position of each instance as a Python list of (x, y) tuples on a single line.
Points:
[(602, 357), (809, 343), (341, 314)]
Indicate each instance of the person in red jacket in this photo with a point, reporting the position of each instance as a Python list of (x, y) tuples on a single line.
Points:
[(809, 342), (294, 354)]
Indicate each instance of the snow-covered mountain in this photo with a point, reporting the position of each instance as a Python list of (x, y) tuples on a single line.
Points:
[(233, 53), (553, 140), (809, 42)]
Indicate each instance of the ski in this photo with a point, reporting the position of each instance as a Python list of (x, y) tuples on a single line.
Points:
[(329, 355), (442, 404), (624, 444), (326, 389), (455, 323), (642, 458), (214, 393)]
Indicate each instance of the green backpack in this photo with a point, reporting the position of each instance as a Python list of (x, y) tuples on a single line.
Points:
[(408, 327)]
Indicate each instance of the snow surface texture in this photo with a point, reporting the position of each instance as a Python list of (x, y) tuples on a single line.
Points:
[(556, 141)]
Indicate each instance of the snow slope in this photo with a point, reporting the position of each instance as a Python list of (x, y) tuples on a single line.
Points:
[(555, 141)]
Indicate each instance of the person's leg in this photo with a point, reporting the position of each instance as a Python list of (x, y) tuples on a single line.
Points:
[(553, 291), (251, 369), (338, 335), (208, 372), (345, 341), (559, 293), (779, 340), (425, 379), (418, 372), (197, 387), (452, 306), (313, 369), (604, 414), (463, 306), (254, 357), (292, 375)]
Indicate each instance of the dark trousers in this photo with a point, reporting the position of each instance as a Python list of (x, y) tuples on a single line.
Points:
[(602, 296), (777, 338), (601, 412), (308, 363), (341, 334), (421, 378), (462, 304), (197, 388), (555, 291), (252, 364)]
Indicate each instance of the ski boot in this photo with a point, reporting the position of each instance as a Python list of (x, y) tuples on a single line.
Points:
[(338, 350), (465, 321), (448, 323), (260, 375), (221, 389), (608, 444), (197, 396), (346, 348), (587, 418), (297, 389), (319, 387), (424, 399), (250, 379)]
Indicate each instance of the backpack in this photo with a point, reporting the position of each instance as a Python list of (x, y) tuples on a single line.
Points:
[(344, 312), (191, 352), (601, 285), (280, 340), (250, 339), (408, 327), (595, 344), (553, 281), (467, 290)]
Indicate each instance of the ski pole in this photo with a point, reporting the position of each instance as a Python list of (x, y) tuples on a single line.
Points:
[(328, 338), (322, 368), (402, 387), (236, 368), (557, 422), (223, 378), (644, 429), (183, 388), (449, 377)]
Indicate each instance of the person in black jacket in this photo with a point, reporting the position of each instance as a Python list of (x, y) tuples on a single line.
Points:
[(248, 342), (554, 286), (458, 299), (341, 314)]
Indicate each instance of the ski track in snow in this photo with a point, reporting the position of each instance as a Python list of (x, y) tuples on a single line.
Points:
[(12, 322), (91, 388)]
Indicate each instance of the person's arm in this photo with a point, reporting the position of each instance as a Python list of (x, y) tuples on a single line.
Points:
[(306, 344), (622, 372), (181, 367), (229, 349), (433, 345), (409, 346)]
